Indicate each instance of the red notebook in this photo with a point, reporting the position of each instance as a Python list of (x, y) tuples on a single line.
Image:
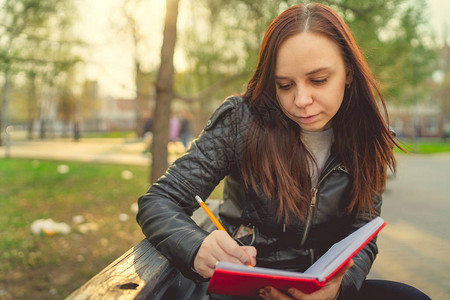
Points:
[(241, 280)]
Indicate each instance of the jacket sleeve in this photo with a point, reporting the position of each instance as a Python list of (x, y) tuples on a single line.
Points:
[(363, 260), (165, 210)]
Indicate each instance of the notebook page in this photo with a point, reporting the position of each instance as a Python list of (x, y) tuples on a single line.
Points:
[(259, 270), (341, 250)]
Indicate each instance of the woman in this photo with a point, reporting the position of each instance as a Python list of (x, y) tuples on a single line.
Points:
[(303, 152)]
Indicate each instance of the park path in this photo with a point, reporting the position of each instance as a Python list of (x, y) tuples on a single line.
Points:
[(415, 245), (102, 150)]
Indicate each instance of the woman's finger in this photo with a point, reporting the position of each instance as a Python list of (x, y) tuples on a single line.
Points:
[(232, 249), (273, 294), (251, 252), (216, 247)]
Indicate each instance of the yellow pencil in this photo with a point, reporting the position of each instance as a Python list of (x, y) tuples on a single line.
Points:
[(209, 213)]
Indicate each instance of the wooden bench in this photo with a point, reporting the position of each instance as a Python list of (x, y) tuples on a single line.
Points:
[(143, 273)]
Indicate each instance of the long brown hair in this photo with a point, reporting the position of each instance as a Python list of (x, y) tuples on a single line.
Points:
[(274, 159)]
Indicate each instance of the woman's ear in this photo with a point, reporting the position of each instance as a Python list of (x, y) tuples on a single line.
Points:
[(349, 77)]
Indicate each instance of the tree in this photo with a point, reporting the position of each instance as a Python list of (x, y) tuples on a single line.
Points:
[(164, 92), (396, 40), (34, 43), (221, 44), (67, 105), (441, 82), (142, 78)]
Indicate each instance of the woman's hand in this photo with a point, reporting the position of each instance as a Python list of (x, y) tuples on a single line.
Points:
[(219, 246), (327, 292)]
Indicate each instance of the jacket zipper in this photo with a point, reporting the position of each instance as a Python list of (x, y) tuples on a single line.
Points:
[(314, 200)]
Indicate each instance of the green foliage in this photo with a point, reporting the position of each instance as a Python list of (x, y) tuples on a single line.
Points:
[(37, 44), (35, 35), (396, 39)]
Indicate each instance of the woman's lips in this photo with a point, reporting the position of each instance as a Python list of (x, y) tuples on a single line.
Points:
[(308, 119)]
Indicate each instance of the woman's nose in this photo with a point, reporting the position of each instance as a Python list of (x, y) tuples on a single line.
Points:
[(303, 97)]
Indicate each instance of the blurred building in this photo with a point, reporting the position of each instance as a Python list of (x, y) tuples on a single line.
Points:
[(421, 120), (118, 114), (105, 114), (428, 117)]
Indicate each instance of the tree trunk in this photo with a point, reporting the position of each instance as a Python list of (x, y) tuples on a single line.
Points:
[(164, 93), (32, 95), (4, 105), (4, 122), (137, 101)]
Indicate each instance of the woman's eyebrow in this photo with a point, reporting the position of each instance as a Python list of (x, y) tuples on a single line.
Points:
[(315, 71), (281, 77), (318, 70)]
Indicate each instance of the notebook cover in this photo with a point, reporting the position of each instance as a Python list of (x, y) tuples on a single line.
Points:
[(248, 284)]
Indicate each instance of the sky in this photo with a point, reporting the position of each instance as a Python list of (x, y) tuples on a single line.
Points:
[(439, 10), (109, 56), (109, 51)]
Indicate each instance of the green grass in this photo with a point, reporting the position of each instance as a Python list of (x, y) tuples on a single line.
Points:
[(426, 147), (109, 134), (51, 267)]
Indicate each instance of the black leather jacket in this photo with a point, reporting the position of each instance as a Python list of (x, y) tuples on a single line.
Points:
[(164, 211)]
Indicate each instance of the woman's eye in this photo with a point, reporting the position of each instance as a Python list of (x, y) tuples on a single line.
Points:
[(319, 81), (284, 86)]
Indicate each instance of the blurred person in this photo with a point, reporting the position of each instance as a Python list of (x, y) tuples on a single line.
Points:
[(76, 130), (174, 127), (304, 153), (186, 127), (148, 122), (148, 131)]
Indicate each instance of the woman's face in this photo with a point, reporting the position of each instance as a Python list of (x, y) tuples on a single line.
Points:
[(310, 78)]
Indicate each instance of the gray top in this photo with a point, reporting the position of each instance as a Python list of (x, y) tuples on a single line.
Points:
[(319, 144)]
